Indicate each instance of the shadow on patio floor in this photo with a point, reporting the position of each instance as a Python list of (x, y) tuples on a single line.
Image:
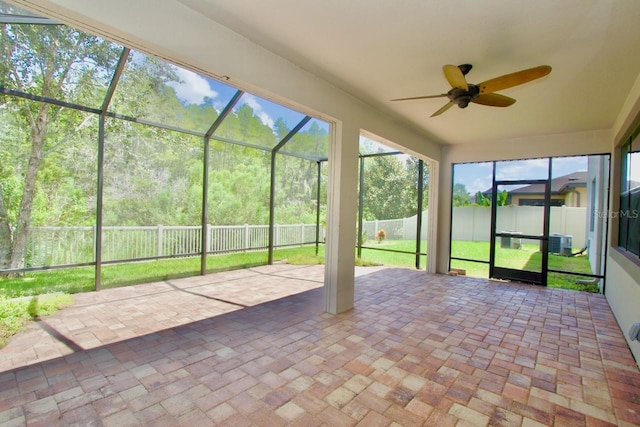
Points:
[(254, 347)]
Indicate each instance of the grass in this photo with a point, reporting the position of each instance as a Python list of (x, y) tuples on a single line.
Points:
[(370, 253), (19, 300), (529, 257), (14, 313), (82, 279)]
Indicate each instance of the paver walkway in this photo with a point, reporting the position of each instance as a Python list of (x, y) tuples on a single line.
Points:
[(254, 347)]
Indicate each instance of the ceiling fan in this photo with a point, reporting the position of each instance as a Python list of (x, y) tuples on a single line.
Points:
[(462, 93)]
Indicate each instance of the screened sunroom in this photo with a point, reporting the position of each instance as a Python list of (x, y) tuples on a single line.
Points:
[(111, 155)]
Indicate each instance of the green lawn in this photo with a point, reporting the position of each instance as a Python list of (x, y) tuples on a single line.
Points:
[(375, 256), (529, 257), (14, 312), (81, 279)]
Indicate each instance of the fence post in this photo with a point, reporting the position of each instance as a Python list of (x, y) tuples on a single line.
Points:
[(209, 238), (159, 240), (301, 233), (247, 243), (276, 233)]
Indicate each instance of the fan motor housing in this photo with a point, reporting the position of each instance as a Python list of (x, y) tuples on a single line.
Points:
[(462, 97)]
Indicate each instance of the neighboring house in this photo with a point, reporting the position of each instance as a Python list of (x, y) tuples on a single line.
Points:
[(568, 190)]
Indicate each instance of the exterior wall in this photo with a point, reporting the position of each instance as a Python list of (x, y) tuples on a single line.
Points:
[(597, 194), (577, 198), (515, 199), (570, 199), (623, 274), (623, 294)]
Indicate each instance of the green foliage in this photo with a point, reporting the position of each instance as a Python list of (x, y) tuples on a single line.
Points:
[(305, 258), (55, 62), (528, 257), (82, 279), (239, 196), (502, 198), (482, 200), (460, 195), (390, 187), (49, 154), (15, 313)]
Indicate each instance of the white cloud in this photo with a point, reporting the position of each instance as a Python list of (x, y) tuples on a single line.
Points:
[(480, 184), (264, 117), (193, 88), (522, 169)]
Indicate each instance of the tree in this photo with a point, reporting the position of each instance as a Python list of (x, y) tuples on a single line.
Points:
[(460, 196), (412, 168), (388, 190), (482, 200), (151, 176), (56, 62), (48, 153)]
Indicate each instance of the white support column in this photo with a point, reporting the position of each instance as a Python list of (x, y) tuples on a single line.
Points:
[(443, 204), (341, 218), (432, 224)]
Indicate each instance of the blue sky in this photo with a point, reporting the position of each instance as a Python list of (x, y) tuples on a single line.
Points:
[(477, 176), (197, 89)]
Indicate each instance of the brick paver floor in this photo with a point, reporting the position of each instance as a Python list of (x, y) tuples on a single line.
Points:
[(254, 347)]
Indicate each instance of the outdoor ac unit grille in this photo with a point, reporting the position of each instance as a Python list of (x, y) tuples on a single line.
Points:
[(560, 244)]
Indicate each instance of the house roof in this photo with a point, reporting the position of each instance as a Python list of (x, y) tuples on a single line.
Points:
[(559, 185)]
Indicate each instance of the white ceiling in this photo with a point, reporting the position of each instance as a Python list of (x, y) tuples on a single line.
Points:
[(383, 49)]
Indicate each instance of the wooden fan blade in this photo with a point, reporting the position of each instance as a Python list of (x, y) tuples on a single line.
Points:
[(443, 109), (455, 77), (420, 97), (494, 100), (513, 79)]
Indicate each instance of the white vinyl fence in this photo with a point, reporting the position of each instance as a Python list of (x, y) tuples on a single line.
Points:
[(49, 246), (473, 223), (397, 229)]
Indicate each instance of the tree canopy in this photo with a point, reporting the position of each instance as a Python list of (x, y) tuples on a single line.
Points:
[(460, 195), (391, 187), (152, 175), (55, 81)]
